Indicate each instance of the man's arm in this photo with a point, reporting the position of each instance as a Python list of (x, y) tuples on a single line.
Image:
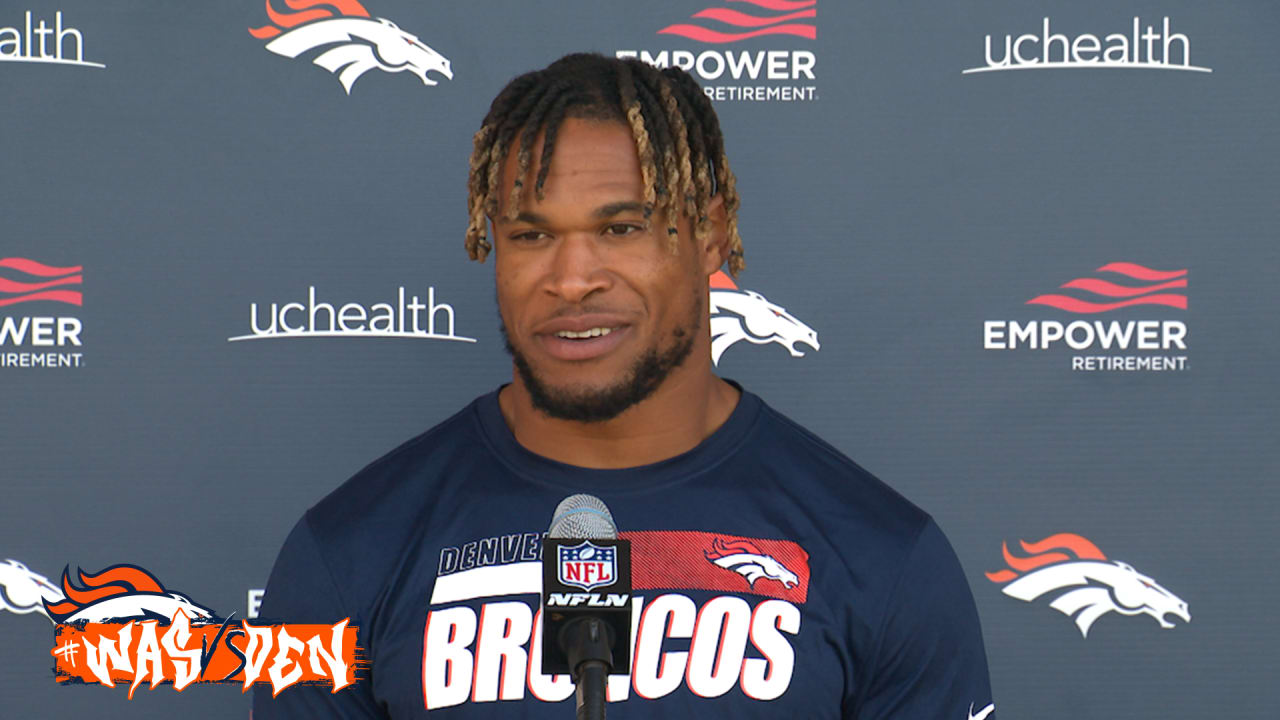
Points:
[(929, 659), (302, 590)]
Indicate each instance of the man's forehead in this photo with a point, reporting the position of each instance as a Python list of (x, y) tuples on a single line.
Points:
[(593, 162)]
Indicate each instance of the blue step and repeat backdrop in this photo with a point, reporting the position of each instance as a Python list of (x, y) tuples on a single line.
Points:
[(1027, 248)]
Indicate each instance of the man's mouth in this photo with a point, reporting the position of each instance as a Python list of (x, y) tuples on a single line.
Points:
[(582, 340), (585, 334)]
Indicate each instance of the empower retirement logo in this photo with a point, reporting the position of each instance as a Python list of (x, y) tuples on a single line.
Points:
[(1105, 344), (36, 328), (777, 67)]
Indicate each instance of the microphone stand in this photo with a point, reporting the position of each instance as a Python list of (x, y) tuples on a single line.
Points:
[(588, 641)]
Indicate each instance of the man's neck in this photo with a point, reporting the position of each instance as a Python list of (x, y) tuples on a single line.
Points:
[(679, 415)]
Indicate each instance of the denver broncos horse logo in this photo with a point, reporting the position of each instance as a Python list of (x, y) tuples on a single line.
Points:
[(745, 315), (362, 42), (1102, 586), (23, 591), (120, 591), (746, 559)]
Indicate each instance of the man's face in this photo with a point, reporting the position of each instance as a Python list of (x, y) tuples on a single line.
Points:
[(596, 310)]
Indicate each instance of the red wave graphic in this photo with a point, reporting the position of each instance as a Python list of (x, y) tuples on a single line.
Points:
[(693, 32), (31, 267), (12, 286), (307, 13), (1139, 272), (780, 4), (71, 297), (1070, 304), (733, 17), (720, 280), (1110, 289)]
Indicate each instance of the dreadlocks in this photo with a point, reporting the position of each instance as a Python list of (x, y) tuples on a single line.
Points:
[(677, 135)]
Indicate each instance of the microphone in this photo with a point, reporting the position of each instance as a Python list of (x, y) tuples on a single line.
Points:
[(586, 600)]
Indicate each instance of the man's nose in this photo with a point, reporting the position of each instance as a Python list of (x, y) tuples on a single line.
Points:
[(578, 269)]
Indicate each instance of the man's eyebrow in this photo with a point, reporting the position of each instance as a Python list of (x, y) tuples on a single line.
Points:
[(531, 218), (602, 212), (617, 208)]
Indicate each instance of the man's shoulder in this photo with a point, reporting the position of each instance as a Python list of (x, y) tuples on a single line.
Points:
[(839, 485)]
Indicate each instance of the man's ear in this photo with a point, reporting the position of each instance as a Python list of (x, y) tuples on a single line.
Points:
[(715, 244)]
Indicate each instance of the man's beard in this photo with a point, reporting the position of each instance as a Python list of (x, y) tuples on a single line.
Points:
[(592, 405)]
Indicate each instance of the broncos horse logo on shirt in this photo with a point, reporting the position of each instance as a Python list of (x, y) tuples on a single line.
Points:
[(746, 559), (1101, 586), (738, 314), (361, 42)]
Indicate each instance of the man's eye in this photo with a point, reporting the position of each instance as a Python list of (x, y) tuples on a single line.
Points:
[(530, 236), (621, 229)]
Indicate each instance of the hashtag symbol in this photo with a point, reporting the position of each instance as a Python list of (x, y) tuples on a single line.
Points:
[(68, 653)]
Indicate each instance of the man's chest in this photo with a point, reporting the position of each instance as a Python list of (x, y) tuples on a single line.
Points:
[(720, 624)]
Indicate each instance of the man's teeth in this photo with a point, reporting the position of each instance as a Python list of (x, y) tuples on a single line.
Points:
[(593, 332)]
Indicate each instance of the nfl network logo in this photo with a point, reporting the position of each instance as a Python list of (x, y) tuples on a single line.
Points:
[(588, 566)]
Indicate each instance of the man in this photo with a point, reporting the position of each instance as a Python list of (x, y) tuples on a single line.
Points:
[(774, 578)]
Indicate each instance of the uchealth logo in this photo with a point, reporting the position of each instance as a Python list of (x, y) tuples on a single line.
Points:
[(1157, 47), (37, 330), (1083, 584), (36, 40), (782, 70), (403, 316), (1104, 344), (354, 42), (483, 636), (122, 625), (738, 315)]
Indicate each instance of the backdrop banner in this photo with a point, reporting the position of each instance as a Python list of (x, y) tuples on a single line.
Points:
[(1002, 254)]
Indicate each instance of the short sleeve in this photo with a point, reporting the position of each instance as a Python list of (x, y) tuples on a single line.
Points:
[(302, 590), (929, 659)]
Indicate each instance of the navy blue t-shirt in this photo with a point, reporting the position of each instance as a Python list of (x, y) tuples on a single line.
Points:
[(773, 578)]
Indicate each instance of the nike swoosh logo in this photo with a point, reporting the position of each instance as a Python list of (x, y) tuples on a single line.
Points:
[(983, 713)]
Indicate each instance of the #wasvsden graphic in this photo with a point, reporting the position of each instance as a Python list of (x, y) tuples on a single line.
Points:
[(1083, 583), (122, 625), (353, 41)]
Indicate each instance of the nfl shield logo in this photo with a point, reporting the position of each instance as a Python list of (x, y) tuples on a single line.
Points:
[(588, 566)]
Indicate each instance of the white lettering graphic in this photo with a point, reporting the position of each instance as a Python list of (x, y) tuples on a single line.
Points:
[(447, 662), (402, 319), (37, 42), (1154, 49), (497, 654)]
